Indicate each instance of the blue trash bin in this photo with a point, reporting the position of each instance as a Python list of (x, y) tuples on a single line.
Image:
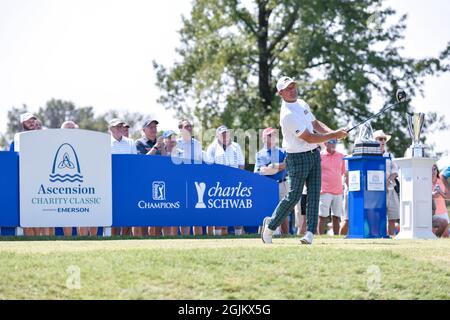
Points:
[(367, 197)]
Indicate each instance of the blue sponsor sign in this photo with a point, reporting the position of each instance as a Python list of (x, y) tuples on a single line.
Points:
[(9, 189), (152, 190)]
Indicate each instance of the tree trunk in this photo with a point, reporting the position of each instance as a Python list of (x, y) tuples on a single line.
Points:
[(265, 90)]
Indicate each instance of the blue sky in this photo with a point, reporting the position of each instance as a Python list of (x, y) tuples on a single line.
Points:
[(100, 52)]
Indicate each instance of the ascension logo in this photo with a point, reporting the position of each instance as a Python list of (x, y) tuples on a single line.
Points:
[(66, 198), (66, 167)]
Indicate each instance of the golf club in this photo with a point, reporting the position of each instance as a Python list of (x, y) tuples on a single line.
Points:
[(401, 97)]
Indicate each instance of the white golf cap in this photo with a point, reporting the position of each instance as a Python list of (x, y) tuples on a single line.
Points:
[(221, 129), (380, 134), (284, 82), (115, 122), (26, 116)]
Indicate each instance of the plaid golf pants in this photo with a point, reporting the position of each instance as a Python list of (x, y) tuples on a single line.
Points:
[(301, 168)]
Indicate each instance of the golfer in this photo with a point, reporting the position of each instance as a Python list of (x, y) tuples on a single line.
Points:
[(301, 134)]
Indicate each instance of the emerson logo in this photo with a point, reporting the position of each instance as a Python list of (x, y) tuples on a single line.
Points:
[(223, 197), (159, 198)]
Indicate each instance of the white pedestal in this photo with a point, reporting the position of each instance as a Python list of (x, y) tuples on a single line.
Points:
[(415, 198)]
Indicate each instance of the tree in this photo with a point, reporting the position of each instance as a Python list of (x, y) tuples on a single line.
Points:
[(13, 125), (341, 53)]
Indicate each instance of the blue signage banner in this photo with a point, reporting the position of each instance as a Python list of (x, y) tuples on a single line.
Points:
[(152, 190), (9, 189)]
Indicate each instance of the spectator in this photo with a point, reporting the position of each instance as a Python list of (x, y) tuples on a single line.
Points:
[(29, 122), (120, 145), (446, 177), (170, 147), (39, 125), (189, 147), (344, 220), (270, 163), (331, 194), (226, 152), (190, 150), (82, 231), (440, 194), (149, 144), (126, 130), (392, 200), (69, 125)]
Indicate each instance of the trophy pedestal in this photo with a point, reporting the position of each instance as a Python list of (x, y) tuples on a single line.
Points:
[(367, 197), (415, 198)]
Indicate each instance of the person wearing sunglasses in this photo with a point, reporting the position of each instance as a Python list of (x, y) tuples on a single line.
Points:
[(440, 194), (393, 199)]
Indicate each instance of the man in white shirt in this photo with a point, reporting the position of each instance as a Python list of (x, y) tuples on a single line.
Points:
[(392, 197), (301, 134), (226, 152), (120, 145), (189, 148)]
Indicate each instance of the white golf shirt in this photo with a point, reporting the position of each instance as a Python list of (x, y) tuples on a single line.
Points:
[(190, 149), (124, 146), (295, 118), (231, 157)]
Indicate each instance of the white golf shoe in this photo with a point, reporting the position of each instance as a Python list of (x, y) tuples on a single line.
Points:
[(308, 238), (266, 234)]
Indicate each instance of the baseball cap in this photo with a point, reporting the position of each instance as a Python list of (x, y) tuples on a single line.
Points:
[(26, 116), (148, 122), (115, 122), (332, 141), (222, 129), (284, 82), (168, 134), (268, 131)]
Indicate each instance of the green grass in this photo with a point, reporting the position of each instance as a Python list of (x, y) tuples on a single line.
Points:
[(231, 268)]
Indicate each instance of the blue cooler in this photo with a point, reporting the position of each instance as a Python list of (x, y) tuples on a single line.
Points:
[(367, 197)]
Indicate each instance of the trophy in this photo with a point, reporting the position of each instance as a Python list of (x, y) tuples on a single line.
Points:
[(415, 125), (365, 145)]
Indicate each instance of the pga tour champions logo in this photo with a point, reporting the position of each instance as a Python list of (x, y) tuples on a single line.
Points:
[(159, 198), (223, 197), (159, 190)]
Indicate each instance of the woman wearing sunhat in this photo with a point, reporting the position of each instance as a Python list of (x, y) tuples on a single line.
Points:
[(392, 197)]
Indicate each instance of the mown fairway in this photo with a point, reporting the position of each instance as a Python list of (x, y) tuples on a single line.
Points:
[(231, 268)]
